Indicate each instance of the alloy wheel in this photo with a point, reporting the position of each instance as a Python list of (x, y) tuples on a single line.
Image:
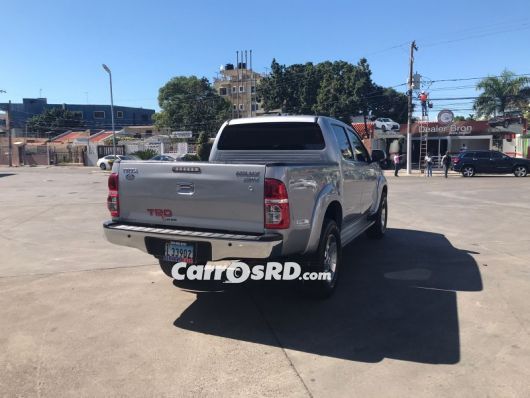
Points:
[(468, 172), (520, 171)]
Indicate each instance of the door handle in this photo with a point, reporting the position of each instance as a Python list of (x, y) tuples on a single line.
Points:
[(185, 188)]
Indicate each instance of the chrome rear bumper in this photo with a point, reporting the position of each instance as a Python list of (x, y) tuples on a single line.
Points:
[(224, 245)]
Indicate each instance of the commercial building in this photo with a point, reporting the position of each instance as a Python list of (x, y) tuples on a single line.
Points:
[(453, 137), (93, 116)]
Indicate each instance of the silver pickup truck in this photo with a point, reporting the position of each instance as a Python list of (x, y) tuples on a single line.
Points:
[(295, 188)]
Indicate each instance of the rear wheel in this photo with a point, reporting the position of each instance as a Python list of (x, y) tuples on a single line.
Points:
[(383, 127), (102, 166), (520, 171), (166, 267), (377, 231), (506, 123), (468, 171), (328, 258)]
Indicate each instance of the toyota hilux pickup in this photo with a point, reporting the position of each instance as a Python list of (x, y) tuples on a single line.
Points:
[(274, 188)]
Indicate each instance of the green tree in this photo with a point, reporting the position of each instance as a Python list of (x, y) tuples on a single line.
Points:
[(499, 93), (204, 147), (190, 103), (338, 89), (55, 119), (145, 154)]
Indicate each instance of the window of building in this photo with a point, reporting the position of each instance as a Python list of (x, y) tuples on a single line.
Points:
[(234, 107), (253, 89), (119, 114), (241, 89), (234, 89), (78, 115), (241, 107), (99, 114), (255, 107), (222, 91), (145, 117)]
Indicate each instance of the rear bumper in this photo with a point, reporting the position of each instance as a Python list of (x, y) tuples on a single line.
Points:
[(223, 245)]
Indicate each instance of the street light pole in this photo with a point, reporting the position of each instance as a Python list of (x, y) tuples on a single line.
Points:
[(107, 69)]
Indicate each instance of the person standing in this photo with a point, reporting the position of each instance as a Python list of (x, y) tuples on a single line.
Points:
[(428, 163), (423, 97), (446, 162), (397, 161)]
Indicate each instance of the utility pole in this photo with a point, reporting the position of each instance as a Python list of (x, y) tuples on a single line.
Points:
[(8, 127), (409, 118)]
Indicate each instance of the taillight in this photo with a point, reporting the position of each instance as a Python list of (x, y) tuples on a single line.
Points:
[(276, 204), (456, 160), (113, 199)]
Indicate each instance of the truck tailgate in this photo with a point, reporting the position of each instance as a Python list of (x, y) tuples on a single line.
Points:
[(192, 194)]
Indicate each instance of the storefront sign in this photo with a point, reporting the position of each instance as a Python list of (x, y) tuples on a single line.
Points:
[(445, 117), (452, 129), (181, 134)]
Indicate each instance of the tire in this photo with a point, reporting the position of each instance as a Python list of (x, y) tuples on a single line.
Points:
[(520, 171), (506, 124), (102, 166), (377, 231), (166, 267), (383, 127), (468, 171), (328, 258)]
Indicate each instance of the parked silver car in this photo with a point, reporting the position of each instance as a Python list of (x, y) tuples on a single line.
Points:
[(281, 187)]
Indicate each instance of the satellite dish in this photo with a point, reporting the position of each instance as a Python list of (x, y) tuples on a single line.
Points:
[(222, 68)]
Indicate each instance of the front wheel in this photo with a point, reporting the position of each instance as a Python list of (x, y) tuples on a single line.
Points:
[(520, 171), (383, 127), (102, 166), (506, 124), (468, 171), (327, 259), (377, 231)]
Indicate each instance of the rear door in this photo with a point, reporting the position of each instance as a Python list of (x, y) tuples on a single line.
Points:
[(367, 169), (482, 162), (352, 178), (193, 194)]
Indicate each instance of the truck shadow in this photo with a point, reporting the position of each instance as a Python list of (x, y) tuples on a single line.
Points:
[(396, 299)]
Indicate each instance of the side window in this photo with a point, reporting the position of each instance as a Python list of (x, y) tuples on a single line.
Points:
[(342, 140), (359, 151), (496, 155), (469, 155), (483, 155)]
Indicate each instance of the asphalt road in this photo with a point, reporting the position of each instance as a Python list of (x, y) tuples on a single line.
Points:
[(437, 308)]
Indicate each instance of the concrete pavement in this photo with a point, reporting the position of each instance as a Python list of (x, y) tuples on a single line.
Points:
[(437, 308)]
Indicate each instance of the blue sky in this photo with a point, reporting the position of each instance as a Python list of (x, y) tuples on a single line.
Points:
[(58, 46)]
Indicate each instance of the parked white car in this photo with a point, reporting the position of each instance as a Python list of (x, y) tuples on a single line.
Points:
[(386, 124), (105, 163)]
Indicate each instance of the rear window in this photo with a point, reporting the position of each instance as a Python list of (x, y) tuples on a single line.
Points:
[(271, 137)]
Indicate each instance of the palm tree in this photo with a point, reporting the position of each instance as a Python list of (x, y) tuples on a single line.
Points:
[(500, 93)]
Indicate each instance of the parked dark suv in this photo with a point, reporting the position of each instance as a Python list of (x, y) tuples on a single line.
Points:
[(471, 162)]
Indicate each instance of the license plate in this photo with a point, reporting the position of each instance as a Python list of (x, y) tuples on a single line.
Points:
[(180, 252)]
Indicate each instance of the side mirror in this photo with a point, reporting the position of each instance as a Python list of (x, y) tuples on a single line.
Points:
[(378, 155)]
